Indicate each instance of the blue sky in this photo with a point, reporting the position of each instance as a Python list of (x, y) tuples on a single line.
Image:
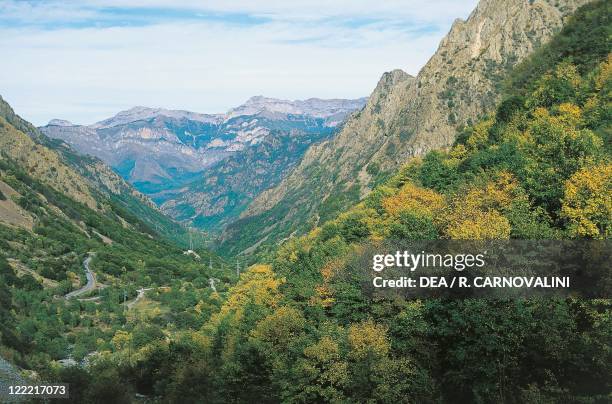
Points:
[(86, 60)]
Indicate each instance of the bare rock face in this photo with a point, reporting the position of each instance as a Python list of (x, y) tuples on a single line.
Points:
[(462, 80), (407, 117)]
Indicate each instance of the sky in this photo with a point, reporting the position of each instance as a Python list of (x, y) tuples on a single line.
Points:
[(87, 60)]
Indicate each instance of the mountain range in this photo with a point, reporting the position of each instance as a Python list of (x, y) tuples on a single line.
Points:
[(205, 168), (270, 169)]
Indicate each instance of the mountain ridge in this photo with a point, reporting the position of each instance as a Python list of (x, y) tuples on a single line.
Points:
[(85, 179), (314, 106)]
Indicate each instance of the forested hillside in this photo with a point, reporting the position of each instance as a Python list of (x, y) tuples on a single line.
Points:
[(404, 117), (299, 328), (537, 168)]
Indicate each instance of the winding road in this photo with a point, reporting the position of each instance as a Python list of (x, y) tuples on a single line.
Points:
[(91, 280)]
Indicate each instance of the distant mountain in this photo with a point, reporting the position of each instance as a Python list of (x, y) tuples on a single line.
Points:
[(404, 117), (144, 113), (205, 168), (334, 111), (145, 145)]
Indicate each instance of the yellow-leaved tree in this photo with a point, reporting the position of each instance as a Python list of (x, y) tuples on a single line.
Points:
[(587, 202), (412, 213), (413, 198), (323, 372), (477, 213), (257, 288)]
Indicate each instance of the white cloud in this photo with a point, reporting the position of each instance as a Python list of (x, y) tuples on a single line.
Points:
[(305, 49)]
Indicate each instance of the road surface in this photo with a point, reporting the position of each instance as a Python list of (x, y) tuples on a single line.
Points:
[(141, 293), (211, 282), (91, 280)]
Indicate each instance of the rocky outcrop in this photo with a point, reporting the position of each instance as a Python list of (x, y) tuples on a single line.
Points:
[(462, 80)]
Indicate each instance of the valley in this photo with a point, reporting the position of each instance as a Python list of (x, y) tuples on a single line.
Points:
[(168, 256)]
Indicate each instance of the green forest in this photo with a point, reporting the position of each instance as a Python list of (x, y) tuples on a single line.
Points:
[(296, 326)]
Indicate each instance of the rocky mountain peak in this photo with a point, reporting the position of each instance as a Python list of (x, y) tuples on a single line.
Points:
[(461, 81), (313, 107), (60, 122), (392, 78), (140, 113)]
